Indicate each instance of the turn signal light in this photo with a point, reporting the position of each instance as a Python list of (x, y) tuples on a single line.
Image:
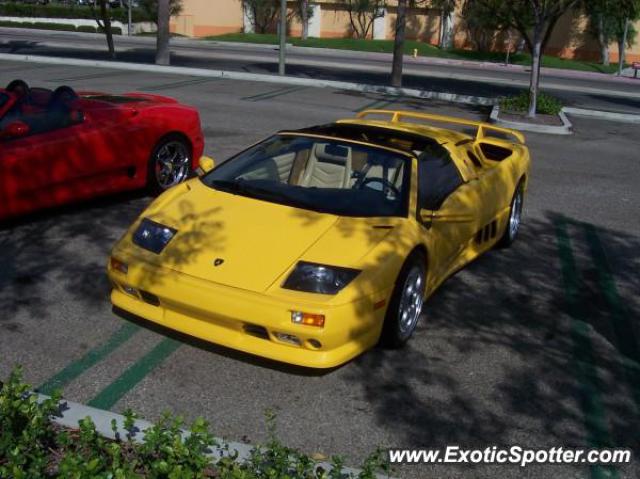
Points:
[(308, 319), (118, 265)]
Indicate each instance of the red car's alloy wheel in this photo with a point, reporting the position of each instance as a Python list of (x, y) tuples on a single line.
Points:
[(172, 161)]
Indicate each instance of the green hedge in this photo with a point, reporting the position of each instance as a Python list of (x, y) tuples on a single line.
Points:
[(31, 446), (58, 26), (12, 9), (39, 25)]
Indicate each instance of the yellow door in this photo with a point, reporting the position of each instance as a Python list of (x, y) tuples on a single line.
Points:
[(449, 208)]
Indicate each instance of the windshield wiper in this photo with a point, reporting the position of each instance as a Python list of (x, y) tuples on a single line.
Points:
[(232, 186)]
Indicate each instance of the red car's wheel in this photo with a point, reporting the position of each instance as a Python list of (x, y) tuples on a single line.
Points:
[(170, 163)]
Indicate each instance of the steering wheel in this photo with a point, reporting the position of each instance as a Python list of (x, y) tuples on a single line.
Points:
[(386, 185)]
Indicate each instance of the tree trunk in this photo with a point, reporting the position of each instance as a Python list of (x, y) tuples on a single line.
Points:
[(398, 44), (446, 30), (106, 22), (534, 82), (621, 54), (163, 55), (603, 42), (304, 16)]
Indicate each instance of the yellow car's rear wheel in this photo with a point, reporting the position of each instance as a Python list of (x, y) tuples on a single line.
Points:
[(515, 218), (406, 302)]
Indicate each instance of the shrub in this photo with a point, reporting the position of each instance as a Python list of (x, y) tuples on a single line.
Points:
[(86, 28), (54, 26), (38, 25), (14, 9), (547, 105), (32, 446), (9, 23)]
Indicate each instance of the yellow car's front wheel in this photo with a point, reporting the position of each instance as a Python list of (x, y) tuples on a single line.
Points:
[(406, 302)]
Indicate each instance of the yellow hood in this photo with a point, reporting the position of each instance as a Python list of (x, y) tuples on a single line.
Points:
[(252, 242)]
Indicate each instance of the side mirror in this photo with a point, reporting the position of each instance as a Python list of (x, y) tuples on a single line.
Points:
[(426, 215), (205, 165), (430, 216), (15, 129)]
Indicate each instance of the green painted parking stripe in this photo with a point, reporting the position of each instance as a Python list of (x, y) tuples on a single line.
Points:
[(134, 374), (584, 357), (274, 93), (178, 84), (626, 340), (76, 368)]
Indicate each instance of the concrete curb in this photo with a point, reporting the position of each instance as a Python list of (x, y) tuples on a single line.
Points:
[(232, 75), (72, 413), (565, 129), (604, 115)]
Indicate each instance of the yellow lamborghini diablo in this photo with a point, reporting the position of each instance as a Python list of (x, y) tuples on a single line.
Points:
[(313, 245)]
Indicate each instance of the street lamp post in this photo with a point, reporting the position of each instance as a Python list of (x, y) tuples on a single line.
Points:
[(623, 45), (283, 37)]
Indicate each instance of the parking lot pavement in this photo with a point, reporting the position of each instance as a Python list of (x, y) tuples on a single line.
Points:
[(535, 346)]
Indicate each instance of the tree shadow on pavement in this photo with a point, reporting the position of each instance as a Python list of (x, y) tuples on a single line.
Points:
[(496, 359), (61, 250)]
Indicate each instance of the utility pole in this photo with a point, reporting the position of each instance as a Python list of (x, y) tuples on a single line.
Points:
[(283, 36), (129, 32), (622, 47)]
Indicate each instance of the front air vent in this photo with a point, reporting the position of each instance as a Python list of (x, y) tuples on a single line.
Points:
[(149, 298), (257, 331)]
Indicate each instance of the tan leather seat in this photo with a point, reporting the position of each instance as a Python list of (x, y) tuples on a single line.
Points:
[(394, 175), (329, 166)]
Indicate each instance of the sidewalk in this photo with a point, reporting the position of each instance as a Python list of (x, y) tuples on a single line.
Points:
[(360, 55)]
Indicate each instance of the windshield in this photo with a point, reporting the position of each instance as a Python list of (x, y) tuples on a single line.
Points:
[(326, 175)]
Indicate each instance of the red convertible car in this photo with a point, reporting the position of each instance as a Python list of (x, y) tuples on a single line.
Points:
[(61, 146)]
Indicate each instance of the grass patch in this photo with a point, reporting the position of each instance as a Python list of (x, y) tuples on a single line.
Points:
[(546, 105), (154, 34), (424, 49)]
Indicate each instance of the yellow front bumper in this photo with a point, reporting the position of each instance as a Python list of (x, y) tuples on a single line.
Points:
[(249, 321)]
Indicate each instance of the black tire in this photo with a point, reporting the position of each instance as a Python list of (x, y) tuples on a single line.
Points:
[(395, 333), (154, 182), (510, 234)]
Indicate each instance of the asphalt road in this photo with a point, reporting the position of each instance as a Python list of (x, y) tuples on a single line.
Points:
[(532, 346), (592, 91)]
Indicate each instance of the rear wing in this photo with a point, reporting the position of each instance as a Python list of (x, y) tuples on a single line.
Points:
[(484, 130)]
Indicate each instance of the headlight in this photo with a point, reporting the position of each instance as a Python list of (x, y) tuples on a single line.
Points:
[(153, 236), (319, 278)]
